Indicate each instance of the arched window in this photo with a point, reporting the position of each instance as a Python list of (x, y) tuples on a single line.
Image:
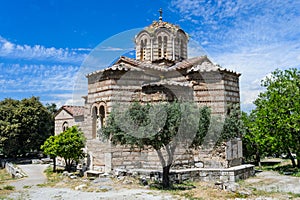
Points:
[(143, 47), (177, 54), (181, 49), (94, 121), (159, 46), (102, 116), (65, 126), (165, 46), (142, 50)]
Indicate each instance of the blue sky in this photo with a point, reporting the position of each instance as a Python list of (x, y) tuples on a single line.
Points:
[(43, 44)]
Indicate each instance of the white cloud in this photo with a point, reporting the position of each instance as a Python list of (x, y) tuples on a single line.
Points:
[(10, 50), (32, 78), (53, 83), (251, 37)]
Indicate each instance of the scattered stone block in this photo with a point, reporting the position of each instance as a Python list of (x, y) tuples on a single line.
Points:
[(73, 177), (80, 187), (36, 161), (199, 165)]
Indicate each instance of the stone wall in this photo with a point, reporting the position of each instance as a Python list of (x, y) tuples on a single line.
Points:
[(64, 117), (232, 174), (214, 89), (127, 158)]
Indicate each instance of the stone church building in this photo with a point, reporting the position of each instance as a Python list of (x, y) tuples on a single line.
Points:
[(161, 71)]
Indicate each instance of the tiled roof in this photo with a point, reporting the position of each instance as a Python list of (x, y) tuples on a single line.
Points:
[(200, 64), (168, 82), (73, 110)]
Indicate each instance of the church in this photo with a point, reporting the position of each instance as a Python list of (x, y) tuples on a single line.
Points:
[(160, 71)]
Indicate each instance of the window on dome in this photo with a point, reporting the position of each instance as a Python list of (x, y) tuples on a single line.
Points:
[(181, 49), (144, 49), (165, 46), (159, 46)]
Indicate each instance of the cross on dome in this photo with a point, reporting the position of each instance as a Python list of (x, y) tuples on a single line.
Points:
[(160, 14)]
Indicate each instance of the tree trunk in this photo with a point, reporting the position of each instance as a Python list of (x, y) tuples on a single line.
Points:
[(290, 156), (257, 158), (298, 159), (54, 164), (166, 179), (68, 165)]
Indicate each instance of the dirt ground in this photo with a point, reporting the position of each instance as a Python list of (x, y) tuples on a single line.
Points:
[(35, 173), (32, 188), (265, 185), (271, 181)]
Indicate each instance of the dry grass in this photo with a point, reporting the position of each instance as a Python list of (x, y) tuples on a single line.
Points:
[(204, 190), (5, 188), (192, 191), (207, 191)]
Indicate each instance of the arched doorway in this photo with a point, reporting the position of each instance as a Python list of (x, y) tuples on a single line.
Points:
[(94, 121)]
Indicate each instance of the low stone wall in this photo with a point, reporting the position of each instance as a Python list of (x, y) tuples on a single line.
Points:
[(14, 171), (232, 174)]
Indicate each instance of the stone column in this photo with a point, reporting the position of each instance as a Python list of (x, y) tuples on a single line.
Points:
[(173, 48), (151, 49)]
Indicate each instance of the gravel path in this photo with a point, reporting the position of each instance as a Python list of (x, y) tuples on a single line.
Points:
[(68, 194), (35, 173), (267, 180), (36, 176), (274, 182)]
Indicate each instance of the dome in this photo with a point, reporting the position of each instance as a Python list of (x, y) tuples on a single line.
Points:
[(156, 25), (161, 40)]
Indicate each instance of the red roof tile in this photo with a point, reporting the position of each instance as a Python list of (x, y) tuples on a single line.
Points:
[(74, 110)]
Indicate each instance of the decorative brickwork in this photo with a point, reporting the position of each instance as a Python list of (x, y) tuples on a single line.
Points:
[(160, 72)]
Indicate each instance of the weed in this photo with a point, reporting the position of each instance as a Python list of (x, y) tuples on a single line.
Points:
[(8, 187)]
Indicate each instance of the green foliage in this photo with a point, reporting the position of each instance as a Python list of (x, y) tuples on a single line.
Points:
[(276, 125), (159, 128), (252, 151), (233, 125), (163, 126), (24, 126), (51, 146), (68, 145)]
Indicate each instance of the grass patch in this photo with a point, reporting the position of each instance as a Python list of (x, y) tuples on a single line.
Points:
[(4, 176), (202, 190), (8, 187), (284, 167), (182, 186), (52, 177), (288, 170), (5, 189), (195, 191)]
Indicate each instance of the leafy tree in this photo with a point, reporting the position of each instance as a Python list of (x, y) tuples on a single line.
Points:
[(24, 126), (233, 126), (252, 148), (166, 127), (51, 147), (277, 114), (67, 145), (52, 109)]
